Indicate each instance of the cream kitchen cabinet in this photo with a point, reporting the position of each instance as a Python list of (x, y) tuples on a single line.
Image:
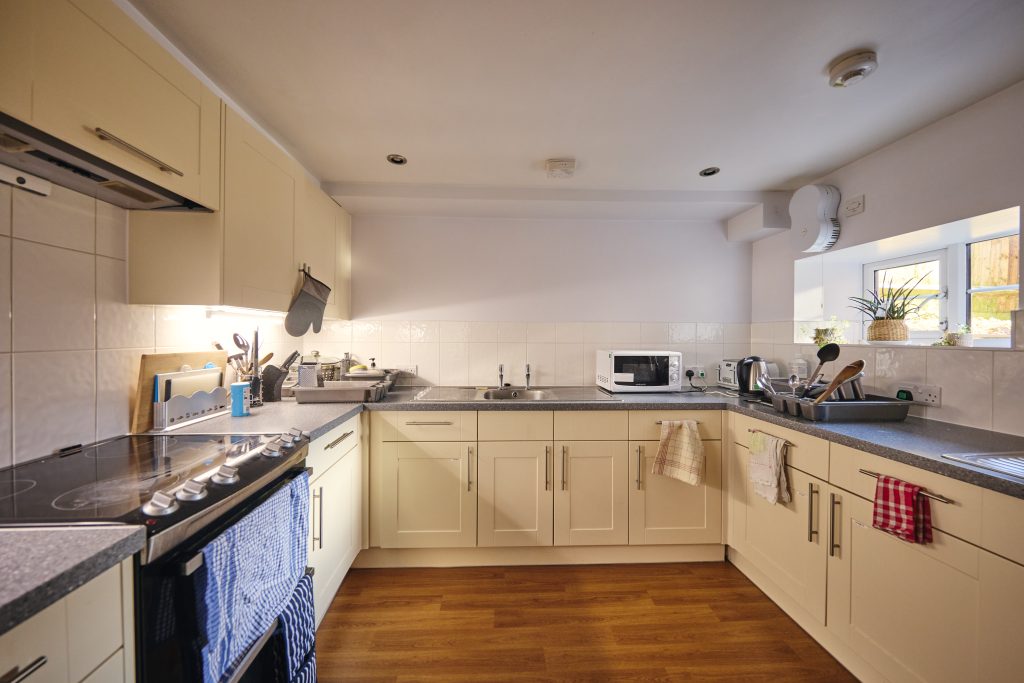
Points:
[(515, 494), (84, 636), (428, 496), (336, 510), (591, 498), (100, 83), (785, 541), (322, 243), (16, 57), (663, 510)]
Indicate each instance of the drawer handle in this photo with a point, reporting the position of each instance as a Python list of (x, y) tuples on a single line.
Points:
[(415, 423), (758, 431), (658, 422), (17, 675), (339, 440), (811, 494), (107, 136), (933, 496)]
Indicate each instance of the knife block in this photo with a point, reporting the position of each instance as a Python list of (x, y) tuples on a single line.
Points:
[(273, 380)]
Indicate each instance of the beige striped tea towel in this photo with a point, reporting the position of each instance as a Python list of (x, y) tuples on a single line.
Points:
[(767, 467), (680, 453)]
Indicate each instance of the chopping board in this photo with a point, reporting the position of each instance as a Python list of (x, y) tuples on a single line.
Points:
[(153, 364)]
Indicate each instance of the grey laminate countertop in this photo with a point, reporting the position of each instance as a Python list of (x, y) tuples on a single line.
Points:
[(40, 565), (316, 419)]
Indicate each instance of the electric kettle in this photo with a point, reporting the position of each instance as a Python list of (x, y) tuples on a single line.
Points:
[(748, 371)]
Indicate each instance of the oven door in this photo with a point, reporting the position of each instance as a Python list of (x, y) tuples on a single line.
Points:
[(642, 372)]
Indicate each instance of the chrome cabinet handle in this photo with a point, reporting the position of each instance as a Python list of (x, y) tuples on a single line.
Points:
[(415, 423), (933, 496), (811, 531), (547, 465), (338, 440), (469, 468), (107, 136), (321, 539), (639, 466), (316, 499), (17, 675), (564, 466), (832, 545)]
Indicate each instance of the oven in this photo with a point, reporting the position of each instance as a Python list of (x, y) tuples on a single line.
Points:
[(639, 371)]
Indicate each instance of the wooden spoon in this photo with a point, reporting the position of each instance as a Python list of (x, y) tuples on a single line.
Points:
[(844, 375)]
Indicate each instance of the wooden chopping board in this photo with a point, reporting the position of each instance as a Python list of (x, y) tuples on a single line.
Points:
[(153, 363)]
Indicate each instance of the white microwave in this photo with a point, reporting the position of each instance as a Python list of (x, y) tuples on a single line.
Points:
[(639, 371)]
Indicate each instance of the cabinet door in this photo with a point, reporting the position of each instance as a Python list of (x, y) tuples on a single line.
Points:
[(516, 495), (665, 510), (335, 528), (93, 68), (95, 626), (341, 308), (315, 235), (428, 495), (910, 611), (42, 642), (1001, 658), (786, 541), (16, 57), (591, 501), (259, 219)]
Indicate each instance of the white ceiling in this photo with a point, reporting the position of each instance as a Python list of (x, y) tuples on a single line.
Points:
[(643, 93)]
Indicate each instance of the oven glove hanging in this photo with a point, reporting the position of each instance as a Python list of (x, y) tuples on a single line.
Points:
[(307, 306)]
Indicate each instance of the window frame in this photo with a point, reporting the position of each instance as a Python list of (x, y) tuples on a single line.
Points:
[(940, 255), (965, 317)]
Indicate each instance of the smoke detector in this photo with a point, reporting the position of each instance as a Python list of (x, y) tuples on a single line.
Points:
[(814, 216), (560, 168), (851, 68)]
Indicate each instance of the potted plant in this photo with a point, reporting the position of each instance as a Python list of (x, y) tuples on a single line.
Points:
[(962, 337), (888, 308)]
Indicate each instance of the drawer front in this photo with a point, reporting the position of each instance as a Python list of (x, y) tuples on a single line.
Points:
[(41, 639), (427, 425), (644, 424), (592, 425), (962, 518), (330, 447), (806, 453), (515, 426), (95, 628)]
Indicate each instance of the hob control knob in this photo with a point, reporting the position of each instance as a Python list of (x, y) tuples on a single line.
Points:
[(192, 490), (275, 448), (160, 504), (225, 475)]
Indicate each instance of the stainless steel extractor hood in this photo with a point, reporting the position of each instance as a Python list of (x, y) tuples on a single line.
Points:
[(36, 153)]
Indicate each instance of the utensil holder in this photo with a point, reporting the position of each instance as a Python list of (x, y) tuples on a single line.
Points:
[(255, 389)]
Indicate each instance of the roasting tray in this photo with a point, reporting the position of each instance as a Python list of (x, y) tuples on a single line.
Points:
[(879, 408), (342, 392)]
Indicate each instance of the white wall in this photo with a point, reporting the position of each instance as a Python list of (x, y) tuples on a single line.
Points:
[(967, 164), (424, 268)]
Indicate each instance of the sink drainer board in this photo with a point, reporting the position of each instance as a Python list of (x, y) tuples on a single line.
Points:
[(1009, 462)]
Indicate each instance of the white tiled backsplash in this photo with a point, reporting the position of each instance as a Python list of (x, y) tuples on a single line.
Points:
[(980, 387), (69, 355), (460, 353)]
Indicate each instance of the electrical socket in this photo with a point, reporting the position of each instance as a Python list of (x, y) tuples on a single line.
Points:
[(698, 371), (921, 394), (406, 370), (853, 206)]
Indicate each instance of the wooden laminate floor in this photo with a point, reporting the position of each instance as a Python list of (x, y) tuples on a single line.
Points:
[(652, 622)]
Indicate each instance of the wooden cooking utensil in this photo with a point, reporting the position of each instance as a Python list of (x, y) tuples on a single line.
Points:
[(844, 375)]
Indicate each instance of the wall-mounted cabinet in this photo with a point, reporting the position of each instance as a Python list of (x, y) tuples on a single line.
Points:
[(273, 220), (84, 72)]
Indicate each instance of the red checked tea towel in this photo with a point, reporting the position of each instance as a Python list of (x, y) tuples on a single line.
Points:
[(900, 511), (680, 453)]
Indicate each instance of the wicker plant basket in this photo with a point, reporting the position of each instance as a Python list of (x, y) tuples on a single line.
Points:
[(888, 330)]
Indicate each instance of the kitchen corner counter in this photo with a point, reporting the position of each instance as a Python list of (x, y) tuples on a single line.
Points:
[(316, 419), (40, 565)]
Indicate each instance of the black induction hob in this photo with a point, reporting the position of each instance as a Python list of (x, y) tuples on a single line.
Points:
[(174, 485)]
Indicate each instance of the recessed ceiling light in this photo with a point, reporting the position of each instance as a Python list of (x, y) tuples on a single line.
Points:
[(397, 159), (709, 171), (851, 68)]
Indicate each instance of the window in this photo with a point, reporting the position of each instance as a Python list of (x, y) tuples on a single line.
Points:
[(993, 285), (930, 268)]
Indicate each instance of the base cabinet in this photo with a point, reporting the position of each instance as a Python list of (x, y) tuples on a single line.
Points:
[(786, 541), (515, 496), (591, 499), (428, 494), (663, 510), (335, 527)]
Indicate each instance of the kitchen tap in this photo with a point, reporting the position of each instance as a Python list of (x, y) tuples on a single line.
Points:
[(501, 375), (527, 375)]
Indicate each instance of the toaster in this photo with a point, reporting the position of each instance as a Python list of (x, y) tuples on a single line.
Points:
[(727, 374)]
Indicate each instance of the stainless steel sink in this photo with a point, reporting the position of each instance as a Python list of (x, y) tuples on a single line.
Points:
[(514, 394), (1009, 462)]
